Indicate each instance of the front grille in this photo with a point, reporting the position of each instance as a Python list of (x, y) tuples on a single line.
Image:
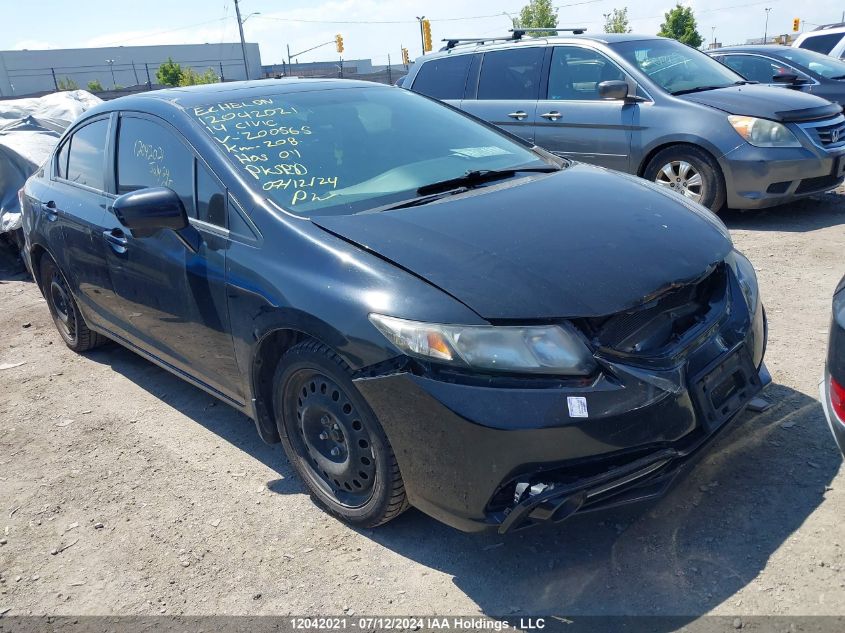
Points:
[(831, 135), (661, 323)]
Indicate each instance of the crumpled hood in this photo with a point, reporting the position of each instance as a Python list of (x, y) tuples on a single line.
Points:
[(777, 104), (577, 243)]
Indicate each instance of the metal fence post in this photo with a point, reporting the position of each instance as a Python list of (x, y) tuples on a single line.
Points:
[(55, 83), (135, 70), (389, 75), (149, 82)]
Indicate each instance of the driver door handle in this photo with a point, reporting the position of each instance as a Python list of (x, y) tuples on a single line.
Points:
[(50, 210), (518, 115), (554, 115), (116, 239)]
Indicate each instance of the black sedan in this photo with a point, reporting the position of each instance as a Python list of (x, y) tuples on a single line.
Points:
[(833, 385), (788, 67), (422, 309)]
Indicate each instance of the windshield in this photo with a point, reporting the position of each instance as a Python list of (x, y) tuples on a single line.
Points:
[(823, 65), (675, 67), (346, 150)]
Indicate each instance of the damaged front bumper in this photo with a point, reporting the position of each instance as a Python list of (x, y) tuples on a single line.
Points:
[(486, 453)]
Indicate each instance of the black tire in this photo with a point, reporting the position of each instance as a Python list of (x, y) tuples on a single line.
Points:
[(712, 189), (66, 316), (319, 410)]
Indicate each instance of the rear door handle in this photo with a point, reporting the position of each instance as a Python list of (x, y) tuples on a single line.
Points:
[(50, 210), (518, 115), (116, 239), (554, 115)]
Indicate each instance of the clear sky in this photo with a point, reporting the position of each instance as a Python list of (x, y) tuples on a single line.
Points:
[(371, 28)]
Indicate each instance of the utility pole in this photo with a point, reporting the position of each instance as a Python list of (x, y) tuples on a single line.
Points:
[(766, 30), (713, 32), (389, 74), (422, 38), (243, 43), (288, 54)]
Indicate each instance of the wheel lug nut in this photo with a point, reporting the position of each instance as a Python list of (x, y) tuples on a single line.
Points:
[(324, 436), (335, 451), (325, 420)]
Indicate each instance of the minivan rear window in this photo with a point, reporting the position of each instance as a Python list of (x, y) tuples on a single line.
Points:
[(443, 78), (821, 43)]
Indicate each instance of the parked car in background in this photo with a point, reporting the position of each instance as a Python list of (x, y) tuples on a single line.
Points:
[(828, 39), (648, 106), (423, 309), (832, 387), (787, 67)]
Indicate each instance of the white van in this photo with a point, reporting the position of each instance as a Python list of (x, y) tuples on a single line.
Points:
[(828, 39)]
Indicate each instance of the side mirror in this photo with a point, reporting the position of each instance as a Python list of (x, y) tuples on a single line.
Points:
[(149, 210), (615, 89), (786, 78)]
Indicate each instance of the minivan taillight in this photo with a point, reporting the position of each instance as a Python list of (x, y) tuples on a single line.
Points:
[(837, 400)]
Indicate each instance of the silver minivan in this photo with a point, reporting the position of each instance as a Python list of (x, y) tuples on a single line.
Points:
[(649, 106)]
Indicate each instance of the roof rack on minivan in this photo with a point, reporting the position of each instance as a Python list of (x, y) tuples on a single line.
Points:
[(515, 34)]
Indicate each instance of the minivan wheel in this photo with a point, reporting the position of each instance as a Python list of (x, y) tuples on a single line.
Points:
[(691, 172), (333, 439), (69, 321)]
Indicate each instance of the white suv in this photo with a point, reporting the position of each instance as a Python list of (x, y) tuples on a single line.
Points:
[(828, 40)]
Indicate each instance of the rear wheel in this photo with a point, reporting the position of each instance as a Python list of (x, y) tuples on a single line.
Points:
[(691, 172), (333, 439), (69, 321)]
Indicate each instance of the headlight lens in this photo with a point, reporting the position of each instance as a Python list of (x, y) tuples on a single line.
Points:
[(542, 349), (747, 278), (762, 132)]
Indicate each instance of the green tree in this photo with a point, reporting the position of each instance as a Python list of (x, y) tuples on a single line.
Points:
[(169, 73), (95, 86), (66, 83), (617, 21), (190, 77), (538, 14), (680, 25)]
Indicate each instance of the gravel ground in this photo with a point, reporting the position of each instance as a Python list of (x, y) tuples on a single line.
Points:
[(123, 490)]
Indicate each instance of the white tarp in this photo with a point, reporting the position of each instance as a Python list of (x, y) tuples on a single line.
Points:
[(29, 130)]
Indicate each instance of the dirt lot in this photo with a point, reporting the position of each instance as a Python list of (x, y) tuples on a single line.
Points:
[(124, 490)]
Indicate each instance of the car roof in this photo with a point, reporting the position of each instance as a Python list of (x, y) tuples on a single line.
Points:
[(204, 94), (494, 44), (752, 48)]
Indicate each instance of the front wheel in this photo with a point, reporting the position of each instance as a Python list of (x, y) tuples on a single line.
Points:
[(691, 172), (333, 439)]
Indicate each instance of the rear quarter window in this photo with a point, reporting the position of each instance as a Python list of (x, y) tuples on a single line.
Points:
[(443, 78), (821, 43)]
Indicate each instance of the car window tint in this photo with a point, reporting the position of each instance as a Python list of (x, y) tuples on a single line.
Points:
[(755, 68), (86, 160), (149, 155), (211, 198), (443, 78), (512, 74), (821, 43), (61, 160), (576, 72)]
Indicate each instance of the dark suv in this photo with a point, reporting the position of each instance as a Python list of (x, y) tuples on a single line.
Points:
[(648, 106)]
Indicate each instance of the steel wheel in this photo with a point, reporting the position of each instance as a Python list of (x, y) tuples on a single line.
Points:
[(61, 305), (331, 437), (681, 176)]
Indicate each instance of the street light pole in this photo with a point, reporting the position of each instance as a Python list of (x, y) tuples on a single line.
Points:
[(420, 18), (241, 31), (766, 30), (713, 33)]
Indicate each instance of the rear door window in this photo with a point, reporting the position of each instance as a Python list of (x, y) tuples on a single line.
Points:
[(512, 74), (149, 155), (86, 157), (443, 78), (821, 43)]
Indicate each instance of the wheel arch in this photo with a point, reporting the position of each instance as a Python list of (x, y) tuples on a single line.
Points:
[(696, 143)]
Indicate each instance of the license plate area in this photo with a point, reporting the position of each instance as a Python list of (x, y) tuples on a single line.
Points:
[(724, 387)]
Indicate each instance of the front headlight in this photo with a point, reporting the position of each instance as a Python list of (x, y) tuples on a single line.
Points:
[(746, 277), (541, 349), (762, 132)]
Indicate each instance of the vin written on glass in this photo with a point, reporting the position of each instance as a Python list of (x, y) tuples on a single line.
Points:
[(269, 143)]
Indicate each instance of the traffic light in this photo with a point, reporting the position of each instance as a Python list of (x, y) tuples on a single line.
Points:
[(338, 42), (426, 29), (796, 24), (406, 59)]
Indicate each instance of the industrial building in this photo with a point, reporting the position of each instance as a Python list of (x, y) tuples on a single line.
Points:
[(25, 72)]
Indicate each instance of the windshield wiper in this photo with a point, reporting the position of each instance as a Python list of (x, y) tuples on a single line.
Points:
[(479, 176), (838, 77), (697, 89)]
